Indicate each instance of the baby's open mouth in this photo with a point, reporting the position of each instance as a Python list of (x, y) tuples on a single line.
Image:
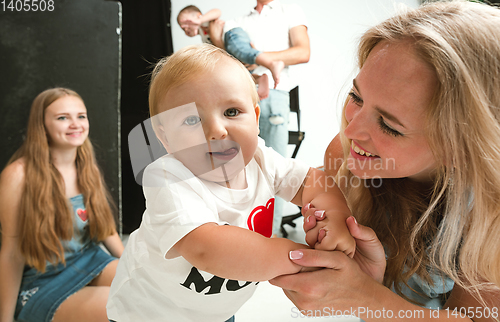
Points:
[(227, 154)]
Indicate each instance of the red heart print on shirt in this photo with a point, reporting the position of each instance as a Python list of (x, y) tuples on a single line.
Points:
[(82, 213), (261, 219)]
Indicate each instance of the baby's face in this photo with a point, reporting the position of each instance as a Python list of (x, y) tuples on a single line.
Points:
[(211, 121), (189, 29)]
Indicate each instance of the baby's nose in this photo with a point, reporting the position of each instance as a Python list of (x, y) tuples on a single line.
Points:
[(215, 131)]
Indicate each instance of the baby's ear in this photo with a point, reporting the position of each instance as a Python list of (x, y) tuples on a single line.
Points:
[(162, 136), (257, 112), (257, 115)]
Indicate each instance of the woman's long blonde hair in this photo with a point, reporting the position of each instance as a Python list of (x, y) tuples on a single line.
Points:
[(453, 228), (45, 214)]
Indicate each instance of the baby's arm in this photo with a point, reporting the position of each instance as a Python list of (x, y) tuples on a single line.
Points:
[(208, 16), (236, 253), (321, 191)]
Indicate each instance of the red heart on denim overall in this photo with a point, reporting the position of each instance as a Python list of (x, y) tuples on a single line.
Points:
[(261, 219), (82, 213)]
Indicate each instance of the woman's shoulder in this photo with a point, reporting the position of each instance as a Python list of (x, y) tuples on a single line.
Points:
[(11, 188), (334, 156), (13, 173)]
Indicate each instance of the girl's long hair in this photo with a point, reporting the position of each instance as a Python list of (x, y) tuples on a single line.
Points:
[(45, 212), (452, 228)]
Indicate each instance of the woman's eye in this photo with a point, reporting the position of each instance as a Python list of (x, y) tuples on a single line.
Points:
[(387, 129), (192, 120), (61, 118), (232, 112), (355, 98), (82, 116)]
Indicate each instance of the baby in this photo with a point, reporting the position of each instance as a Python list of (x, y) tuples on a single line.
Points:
[(203, 244), (236, 41)]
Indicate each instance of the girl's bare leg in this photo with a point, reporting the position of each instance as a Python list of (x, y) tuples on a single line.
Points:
[(89, 303), (106, 276)]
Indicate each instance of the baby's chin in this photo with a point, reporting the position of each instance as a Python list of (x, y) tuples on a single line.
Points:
[(225, 172)]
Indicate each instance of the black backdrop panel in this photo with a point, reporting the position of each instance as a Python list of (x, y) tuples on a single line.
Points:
[(146, 38), (77, 45)]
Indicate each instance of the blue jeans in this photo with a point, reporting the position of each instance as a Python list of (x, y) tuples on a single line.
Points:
[(237, 43), (273, 124)]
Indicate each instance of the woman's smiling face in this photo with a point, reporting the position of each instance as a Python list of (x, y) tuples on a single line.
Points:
[(386, 115)]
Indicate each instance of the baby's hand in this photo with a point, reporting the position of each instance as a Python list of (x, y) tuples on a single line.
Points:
[(330, 232), (193, 20)]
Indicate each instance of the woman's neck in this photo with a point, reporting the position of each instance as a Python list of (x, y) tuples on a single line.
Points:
[(64, 161), (63, 158)]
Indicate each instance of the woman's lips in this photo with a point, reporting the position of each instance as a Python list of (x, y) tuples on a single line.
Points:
[(75, 134), (359, 153)]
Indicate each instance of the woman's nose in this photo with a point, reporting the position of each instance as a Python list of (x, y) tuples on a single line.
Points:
[(73, 122), (357, 127)]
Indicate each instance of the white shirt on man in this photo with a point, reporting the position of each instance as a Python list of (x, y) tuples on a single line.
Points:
[(269, 31)]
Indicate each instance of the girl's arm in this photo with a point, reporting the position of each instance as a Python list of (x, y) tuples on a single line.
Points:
[(11, 260), (237, 253), (114, 245)]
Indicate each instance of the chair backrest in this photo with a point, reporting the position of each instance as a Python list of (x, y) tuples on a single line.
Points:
[(295, 137), (294, 104)]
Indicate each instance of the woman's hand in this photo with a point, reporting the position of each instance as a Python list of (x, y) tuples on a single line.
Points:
[(342, 285), (369, 254)]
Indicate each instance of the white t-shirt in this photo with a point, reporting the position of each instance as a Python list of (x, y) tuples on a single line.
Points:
[(270, 31), (149, 287)]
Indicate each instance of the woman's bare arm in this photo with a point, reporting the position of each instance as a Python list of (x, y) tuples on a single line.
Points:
[(11, 260)]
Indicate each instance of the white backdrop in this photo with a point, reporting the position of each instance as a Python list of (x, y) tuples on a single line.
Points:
[(334, 27)]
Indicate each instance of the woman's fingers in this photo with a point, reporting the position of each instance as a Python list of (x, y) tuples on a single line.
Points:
[(317, 258), (309, 223), (359, 231), (304, 209), (312, 237), (306, 283), (366, 240), (370, 254)]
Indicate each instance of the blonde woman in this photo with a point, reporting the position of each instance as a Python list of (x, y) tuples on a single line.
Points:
[(53, 211), (421, 168)]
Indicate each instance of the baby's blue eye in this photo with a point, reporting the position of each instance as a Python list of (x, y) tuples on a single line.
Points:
[(192, 120)]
